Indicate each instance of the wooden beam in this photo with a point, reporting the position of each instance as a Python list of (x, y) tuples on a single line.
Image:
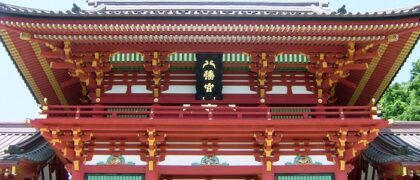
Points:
[(189, 99), (187, 47), (69, 83), (58, 54), (172, 124), (209, 170), (348, 84)]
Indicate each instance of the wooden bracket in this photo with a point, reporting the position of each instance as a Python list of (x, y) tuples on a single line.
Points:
[(77, 143), (267, 140), (263, 67), (152, 139), (319, 68), (90, 72), (68, 145), (330, 69), (157, 67), (341, 148), (268, 149)]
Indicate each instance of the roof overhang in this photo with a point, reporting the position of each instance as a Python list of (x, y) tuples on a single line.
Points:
[(236, 31)]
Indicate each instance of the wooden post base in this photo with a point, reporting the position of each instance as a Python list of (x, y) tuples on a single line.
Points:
[(77, 175), (341, 175), (152, 175), (267, 175)]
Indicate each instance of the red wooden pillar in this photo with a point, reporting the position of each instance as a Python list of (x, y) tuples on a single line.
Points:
[(267, 172), (340, 175), (77, 175), (268, 176), (152, 175), (76, 171)]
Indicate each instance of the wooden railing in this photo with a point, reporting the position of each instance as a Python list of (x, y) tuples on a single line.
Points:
[(209, 113)]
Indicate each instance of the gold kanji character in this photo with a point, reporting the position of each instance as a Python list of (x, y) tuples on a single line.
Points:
[(209, 87), (208, 75), (209, 62)]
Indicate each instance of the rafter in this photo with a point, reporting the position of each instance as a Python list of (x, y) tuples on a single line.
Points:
[(90, 72), (331, 69)]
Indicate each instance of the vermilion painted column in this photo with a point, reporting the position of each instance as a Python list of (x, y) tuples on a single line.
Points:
[(267, 174), (152, 175), (77, 175), (340, 175), (76, 170)]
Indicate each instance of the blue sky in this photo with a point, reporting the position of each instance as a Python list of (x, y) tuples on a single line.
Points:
[(18, 103)]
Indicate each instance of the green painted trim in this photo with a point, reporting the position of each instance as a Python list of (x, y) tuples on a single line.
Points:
[(236, 58), (128, 68), (188, 68), (227, 57), (182, 57), (305, 176), (288, 110), (240, 58), (126, 58), (114, 177), (129, 110), (190, 57), (291, 58)]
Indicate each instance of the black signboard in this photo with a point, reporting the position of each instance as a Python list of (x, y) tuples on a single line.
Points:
[(209, 73)]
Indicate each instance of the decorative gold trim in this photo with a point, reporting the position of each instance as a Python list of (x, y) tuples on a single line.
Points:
[(404, 171), (76, 165), (368, 74), (48, 72), (397, 64), (21, 65)]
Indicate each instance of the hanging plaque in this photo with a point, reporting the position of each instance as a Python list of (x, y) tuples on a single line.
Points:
[(209, 73)]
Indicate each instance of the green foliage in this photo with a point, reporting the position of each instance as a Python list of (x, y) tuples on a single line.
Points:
[(401, 101)]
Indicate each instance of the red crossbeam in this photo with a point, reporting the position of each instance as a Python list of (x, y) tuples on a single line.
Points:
[(210, 113)]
